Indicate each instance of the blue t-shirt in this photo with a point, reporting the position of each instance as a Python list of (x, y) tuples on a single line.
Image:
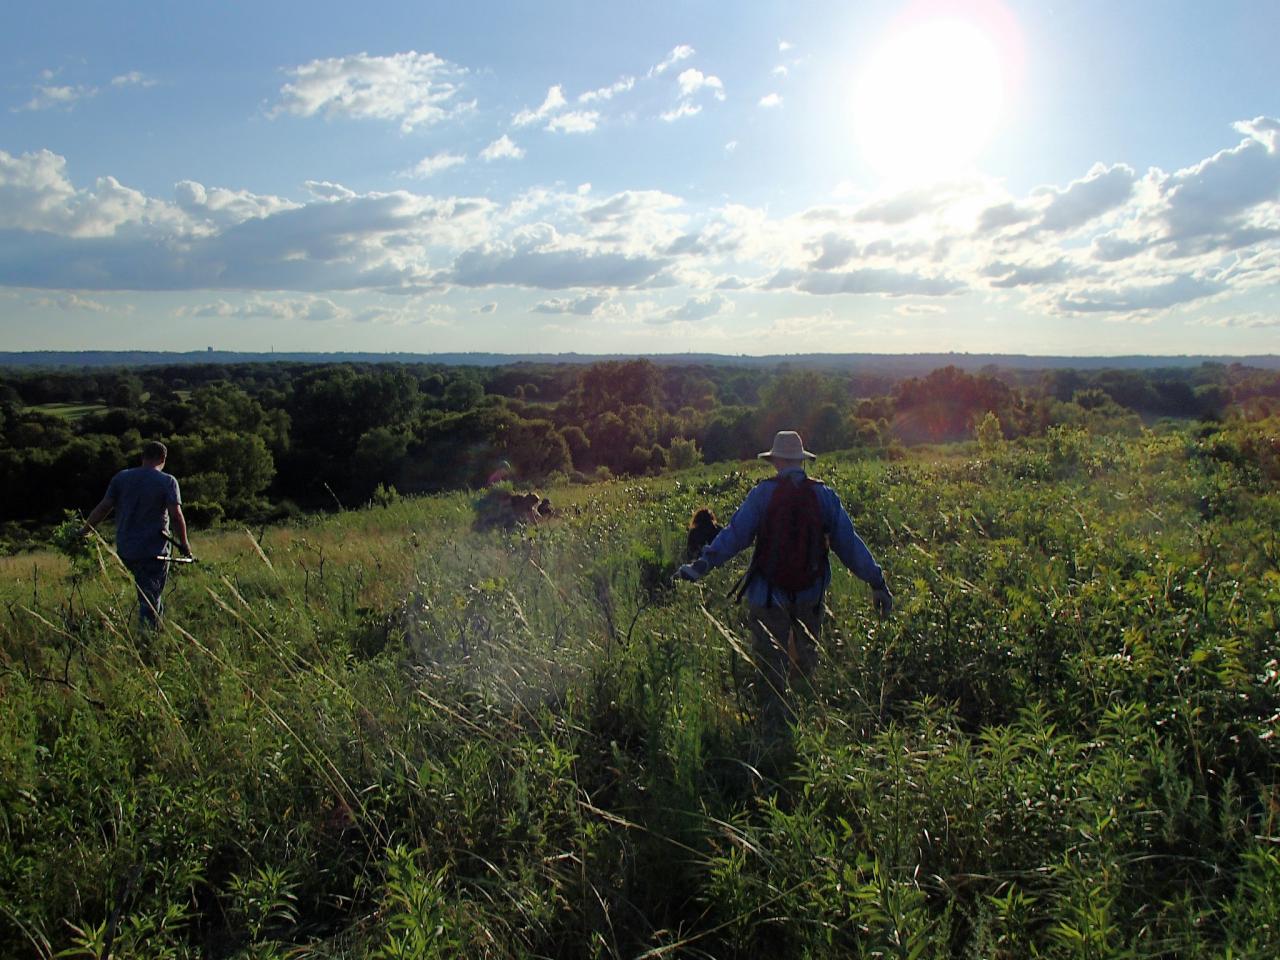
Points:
[(142, 497)]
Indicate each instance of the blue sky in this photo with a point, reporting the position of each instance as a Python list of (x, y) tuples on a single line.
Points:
[(978, 175)]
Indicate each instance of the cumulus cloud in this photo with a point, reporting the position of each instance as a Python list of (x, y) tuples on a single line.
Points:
[(114, 238), (693, 80), (436, 163), (70, 300), (417, 89), (1001, 216), (314, 309), (134, 78), (1244, 321), (1101, 190), (695, 309), (770, 100), (583, 306), (1134, 298), (690, 86), (37, 194), (623, 85), (1110, 248), (679, 111), (891, 283), (900, 208), (226, 207), (681, 52), (1008, 275), (551, 268), (919, 310), (504, 148), (574, 121), (553, 101), (50, 96), (1229, 200)]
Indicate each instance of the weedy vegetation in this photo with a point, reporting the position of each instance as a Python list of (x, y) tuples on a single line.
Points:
[(385, 734)]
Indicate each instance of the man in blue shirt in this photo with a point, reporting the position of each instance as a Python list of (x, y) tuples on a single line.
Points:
[(146, 501), (782, 607)]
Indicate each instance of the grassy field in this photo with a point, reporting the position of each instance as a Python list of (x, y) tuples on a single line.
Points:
[(70, 411), (386, 735)]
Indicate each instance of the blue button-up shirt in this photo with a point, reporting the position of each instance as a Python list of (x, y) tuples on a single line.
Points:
[(844, 540)]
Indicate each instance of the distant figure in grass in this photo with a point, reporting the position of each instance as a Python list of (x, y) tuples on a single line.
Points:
[(794, 521), (703, 528), (147, 502)]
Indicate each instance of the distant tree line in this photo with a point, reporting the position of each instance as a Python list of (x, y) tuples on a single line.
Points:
[(264, 440)]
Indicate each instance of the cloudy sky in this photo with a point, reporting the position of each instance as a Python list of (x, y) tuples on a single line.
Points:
[(1078, 178)]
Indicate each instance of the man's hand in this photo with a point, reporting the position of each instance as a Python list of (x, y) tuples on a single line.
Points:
[(693, 572), (882, 600)]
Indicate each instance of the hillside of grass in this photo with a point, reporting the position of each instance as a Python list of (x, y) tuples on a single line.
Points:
[(385, 734)]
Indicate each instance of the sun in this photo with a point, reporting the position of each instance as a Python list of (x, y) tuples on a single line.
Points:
[(928, 99)]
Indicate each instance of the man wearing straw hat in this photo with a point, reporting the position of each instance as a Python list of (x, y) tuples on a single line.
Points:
[(794, 522)]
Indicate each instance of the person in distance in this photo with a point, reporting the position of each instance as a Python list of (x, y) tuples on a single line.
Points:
[(146, 501), (794, 521)]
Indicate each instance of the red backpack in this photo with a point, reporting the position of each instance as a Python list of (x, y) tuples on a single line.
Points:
[(791, 544)]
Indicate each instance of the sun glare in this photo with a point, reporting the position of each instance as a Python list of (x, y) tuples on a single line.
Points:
[(928, 99)]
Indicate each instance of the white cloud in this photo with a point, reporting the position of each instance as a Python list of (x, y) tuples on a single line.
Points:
[(770, 100), (553, 101), (226, 207), (584, 306), (36, 194), (1229, 200), (887, 282), (418, 89), (324, 190), (624, 85), (575, 121), (501, 149), (693, 80), (731, 146), (552, 268), (784, 46), (70, 300), (313, 309), (1245, 321), (1138, 297), (695, 309), (436, 163), (1101, 190), (919, 310), (681, 52), (134, 78), (1007, 275), (49, 97), (780, 71), (681, 110)]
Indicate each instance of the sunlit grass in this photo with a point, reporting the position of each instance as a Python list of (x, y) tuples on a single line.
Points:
[(383, 733)]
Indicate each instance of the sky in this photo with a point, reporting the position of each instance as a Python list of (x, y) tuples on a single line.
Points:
[(985, 176)]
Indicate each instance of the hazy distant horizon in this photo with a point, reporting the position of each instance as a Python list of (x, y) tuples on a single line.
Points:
[(983, 176), (902, 362)]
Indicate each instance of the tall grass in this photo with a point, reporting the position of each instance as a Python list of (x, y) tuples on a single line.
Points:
[(386, 735)]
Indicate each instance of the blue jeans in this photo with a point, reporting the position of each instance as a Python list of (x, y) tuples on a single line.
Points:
[(149, 575)]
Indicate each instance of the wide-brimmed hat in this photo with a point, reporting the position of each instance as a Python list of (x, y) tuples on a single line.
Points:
[(787, 445)]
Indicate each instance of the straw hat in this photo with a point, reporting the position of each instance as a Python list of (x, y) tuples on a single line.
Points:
[(787, 445)]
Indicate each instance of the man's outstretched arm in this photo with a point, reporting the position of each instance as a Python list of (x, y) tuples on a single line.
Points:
[(97, 514), (179, 524)]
